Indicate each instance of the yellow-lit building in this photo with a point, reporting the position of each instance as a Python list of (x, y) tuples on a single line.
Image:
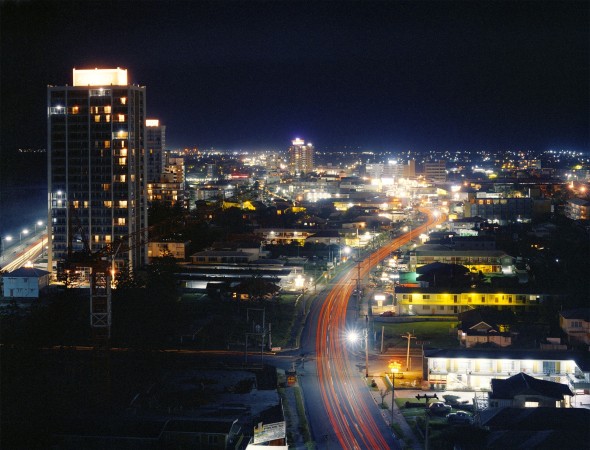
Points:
[(428, 301)]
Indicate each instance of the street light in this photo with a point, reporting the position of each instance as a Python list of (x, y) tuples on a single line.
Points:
[(25, 232), (38, 224), (394, 367), (353, 336), (4, 239), (345, 250)]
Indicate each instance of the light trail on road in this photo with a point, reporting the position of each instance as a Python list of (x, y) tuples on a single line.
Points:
[(347, 406), (29, 254)]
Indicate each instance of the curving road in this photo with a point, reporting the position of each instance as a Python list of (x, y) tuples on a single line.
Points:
[(353, 419), (22, 254)]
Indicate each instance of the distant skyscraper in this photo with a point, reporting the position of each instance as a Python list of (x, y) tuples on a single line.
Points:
[(435, 171), (96, 164), (410, 170), (155, 148), (300, 157)]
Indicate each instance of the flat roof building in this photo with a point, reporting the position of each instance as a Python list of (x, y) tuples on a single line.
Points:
[(300, 157), (96, 165)]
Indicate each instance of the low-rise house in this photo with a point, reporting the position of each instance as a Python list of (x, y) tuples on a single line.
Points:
[(535, 428), (26, 283), (523, 391), (576, 324), (481, 327)]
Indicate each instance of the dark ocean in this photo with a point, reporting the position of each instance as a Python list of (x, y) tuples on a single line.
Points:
[(23, 191)]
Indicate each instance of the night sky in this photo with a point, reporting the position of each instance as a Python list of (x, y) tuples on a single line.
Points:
[(381, 75)]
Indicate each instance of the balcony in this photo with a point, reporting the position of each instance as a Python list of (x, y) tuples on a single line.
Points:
[(578, 383)]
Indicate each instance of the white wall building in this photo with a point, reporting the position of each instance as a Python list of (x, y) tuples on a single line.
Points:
[(26, 282)]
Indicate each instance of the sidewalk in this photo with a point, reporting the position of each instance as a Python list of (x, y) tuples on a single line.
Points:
[(408, 434), (408, 438), (295, 437)]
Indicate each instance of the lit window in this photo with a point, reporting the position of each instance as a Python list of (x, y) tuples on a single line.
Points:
[(121, 117), (123, 178), (96, 238), (107, 144), (107, 109), (85, 203), (121, 221), (122, 161), (122, 203), (123, 100), (97, 118), (57, 110), (108, 204), (107, 117), (99, 92), (531, 404), (107, 238), (75, 109), (123, 152), (106, 186)]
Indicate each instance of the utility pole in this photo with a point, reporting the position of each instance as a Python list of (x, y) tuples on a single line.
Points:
[(358, 286), (422, 343), (408, 336), (256, 331), (366, 333)]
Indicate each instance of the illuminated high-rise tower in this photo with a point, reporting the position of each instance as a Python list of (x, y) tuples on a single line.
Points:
[(300, 157), (96, 165), (155, 149)]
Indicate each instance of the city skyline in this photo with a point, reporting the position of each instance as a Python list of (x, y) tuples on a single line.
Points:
[(378, 75)]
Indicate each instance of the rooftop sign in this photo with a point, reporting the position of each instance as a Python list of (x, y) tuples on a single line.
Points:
[(100, 77)]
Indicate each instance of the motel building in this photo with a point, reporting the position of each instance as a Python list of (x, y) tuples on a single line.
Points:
[(473, 369), (432, 301)]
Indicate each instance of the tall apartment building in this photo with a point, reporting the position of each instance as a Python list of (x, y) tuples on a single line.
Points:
[(96, 165), (170, 188), (435, 171), (155, 149), (300, 157)]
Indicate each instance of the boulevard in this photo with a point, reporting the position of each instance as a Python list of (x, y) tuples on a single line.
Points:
[(334, 383)]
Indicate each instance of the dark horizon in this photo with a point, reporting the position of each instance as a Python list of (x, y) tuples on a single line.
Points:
[(379, 75)]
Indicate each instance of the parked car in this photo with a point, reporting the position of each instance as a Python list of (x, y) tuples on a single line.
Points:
[(459, 417), (438, 408), (387, 314)]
